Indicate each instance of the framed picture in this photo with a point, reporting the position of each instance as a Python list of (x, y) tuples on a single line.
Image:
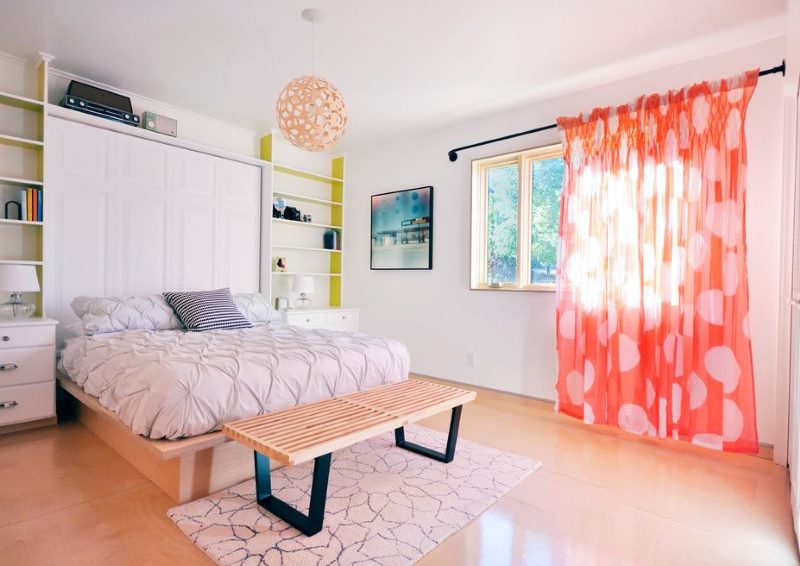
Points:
[(402, 229)]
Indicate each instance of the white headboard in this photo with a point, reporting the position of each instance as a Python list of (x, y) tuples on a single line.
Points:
[(127, 216)]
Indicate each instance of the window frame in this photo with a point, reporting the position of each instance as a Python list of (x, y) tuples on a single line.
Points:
[(479, 225)]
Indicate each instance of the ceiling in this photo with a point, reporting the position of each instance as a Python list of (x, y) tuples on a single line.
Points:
[(401, 65)]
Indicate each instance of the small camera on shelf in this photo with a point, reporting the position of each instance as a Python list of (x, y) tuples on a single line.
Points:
[(292, 213)]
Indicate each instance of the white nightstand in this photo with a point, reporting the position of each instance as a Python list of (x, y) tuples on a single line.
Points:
[(330, 318), (27, 373)]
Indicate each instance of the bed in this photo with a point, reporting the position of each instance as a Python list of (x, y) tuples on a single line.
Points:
[(174, 384), (158, 394)]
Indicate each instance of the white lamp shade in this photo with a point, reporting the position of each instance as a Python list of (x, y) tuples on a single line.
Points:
[(303, 284), (18, 278)]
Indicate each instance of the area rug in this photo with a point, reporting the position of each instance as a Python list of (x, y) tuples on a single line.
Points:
[(385, 505)]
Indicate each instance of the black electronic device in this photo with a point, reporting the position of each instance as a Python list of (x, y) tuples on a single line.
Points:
[(292, 213), (99, 102)]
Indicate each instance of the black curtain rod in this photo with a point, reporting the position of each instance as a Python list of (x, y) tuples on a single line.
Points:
[(453, 153)]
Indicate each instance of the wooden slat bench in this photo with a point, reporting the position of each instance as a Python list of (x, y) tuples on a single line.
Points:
[(314, 431)]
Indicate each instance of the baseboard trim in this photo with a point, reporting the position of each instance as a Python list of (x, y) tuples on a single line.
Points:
[(30, 425)]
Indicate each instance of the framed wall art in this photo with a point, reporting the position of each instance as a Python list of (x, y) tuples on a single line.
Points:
[(402, 229)]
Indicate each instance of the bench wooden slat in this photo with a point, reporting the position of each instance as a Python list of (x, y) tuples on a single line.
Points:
[(302, 433)]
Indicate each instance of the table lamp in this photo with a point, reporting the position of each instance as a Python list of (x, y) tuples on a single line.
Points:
[(303, 284), (17, 279)]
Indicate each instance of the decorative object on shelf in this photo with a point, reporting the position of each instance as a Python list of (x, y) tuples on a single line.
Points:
[(306, 218), (17, 279), (292, 213), (310, 110), (19, 210), (279, 264), (303, 284), (282, 303), (330, 240), (161, 124), (278, 207), (402, 229)]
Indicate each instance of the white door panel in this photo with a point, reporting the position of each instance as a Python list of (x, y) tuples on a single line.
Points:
[(194, 248), (143, 241), (139, 163), (78, 151), (238, 183), (192, 173), (239, 257)]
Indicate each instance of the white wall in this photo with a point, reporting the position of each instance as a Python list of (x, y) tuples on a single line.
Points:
[(512, 333)]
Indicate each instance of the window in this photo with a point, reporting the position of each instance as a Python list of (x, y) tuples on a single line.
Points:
[(516, 202)]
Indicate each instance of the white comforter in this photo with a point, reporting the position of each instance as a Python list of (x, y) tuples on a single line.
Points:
[(172, 383)]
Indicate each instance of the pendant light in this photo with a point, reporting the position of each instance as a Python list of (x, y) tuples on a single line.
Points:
[(310, 110)]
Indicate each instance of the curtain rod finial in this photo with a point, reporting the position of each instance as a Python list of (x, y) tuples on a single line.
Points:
[(452, 155)]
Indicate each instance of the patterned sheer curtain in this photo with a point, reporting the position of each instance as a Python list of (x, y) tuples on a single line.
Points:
[(652, 321)]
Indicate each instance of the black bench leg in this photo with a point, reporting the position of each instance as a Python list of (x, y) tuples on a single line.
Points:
[(452, 437), (309, 524)]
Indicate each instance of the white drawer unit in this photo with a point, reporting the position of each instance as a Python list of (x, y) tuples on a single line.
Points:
[(27, 402), (23, 336), (332, 318), (307, 319), (19, 366), (27, 370)]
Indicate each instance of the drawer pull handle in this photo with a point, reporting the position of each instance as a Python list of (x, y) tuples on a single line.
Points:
[(8, 367), (8, 404), (6, 338), (308, 320)]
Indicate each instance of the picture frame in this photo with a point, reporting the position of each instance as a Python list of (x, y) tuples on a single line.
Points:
[(401, 229)]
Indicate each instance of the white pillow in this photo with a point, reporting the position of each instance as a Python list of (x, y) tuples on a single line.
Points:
[(112, 314), (256, 308)]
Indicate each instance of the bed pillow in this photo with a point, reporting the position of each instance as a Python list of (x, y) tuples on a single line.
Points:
[(256, 308), (207, 310), (112, 314)]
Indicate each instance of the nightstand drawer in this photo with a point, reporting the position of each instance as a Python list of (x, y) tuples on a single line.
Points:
[(19, 366), (22, 336), (306, 319), (342, 317), (27, 402), (344, 326)]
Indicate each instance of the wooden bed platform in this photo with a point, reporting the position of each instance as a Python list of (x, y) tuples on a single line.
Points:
[(185, 469)]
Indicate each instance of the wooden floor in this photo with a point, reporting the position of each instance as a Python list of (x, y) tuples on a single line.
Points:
[(602, 497)]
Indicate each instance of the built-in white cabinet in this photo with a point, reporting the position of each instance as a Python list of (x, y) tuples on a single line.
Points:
[(331, 318), (132, 216), (27, 371)]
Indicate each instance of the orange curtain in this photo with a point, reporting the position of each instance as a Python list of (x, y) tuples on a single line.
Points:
[(652, 319)]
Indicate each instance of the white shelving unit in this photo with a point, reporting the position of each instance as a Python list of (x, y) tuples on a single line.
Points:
[(23, 120), (299, 179)]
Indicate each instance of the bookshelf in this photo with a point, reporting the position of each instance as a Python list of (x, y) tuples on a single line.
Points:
[(23, 119), (298, 178)]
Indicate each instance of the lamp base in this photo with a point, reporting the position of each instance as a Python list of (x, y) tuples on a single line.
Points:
[(304, 299), (15, 308)]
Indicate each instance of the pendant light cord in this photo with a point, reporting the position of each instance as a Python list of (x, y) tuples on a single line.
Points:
[(313, 33)]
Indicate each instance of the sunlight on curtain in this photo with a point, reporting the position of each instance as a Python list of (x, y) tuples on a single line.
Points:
[(652, 321)]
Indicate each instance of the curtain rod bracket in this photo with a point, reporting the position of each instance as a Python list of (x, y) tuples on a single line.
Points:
[(452, 155)]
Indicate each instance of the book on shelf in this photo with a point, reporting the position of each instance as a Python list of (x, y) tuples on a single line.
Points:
[(31, 204), (23, 204)]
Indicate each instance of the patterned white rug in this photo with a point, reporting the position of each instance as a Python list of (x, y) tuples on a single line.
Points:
[(385, 505)]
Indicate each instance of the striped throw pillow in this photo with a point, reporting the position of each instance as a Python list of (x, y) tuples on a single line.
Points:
[(207, 310)]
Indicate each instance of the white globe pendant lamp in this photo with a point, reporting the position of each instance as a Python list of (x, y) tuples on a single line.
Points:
[(310, 110)]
